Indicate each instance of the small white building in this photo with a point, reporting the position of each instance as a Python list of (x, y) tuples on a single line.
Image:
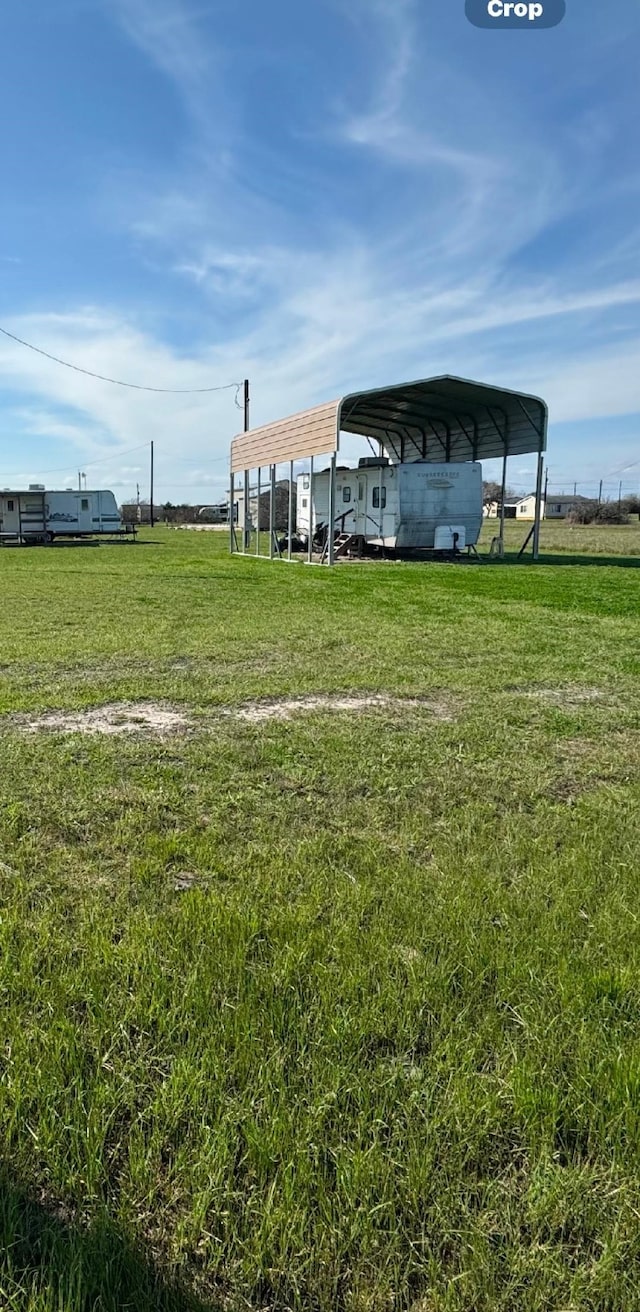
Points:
[(524, 508), (493, 510)]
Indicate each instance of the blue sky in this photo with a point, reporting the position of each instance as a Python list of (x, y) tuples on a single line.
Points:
[(322, 196)]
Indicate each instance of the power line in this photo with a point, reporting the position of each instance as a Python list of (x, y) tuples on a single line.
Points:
[(106, 460), (208, 460), (62, 469), (117, 382)]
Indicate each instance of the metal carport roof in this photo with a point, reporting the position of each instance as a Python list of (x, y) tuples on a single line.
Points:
[(433, 419), (447, 418)]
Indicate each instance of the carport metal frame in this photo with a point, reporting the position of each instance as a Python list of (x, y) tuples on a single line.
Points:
[(443, 419)]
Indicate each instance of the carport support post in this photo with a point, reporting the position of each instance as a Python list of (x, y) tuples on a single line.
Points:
[(272, 507), (245, 517), (332, 508), (310, 544), (245, 514), (290, 517), (536, 525), (503, 495), (258, 517), (232, 498)]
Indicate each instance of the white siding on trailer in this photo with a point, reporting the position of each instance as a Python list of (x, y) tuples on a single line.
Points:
[(306, 513), (346, 507), (88, 513), (377, 491), (345, 504), (110, 520), (433, 495), (61, 510), (397, 505)]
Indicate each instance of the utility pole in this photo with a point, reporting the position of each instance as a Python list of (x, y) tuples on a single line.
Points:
[(79, 481), (246, 405), (246, 531), (546, 489), (151, 489), (620, 496), (600, 494)]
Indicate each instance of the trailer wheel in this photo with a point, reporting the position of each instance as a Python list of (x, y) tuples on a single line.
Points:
[(47, 538)]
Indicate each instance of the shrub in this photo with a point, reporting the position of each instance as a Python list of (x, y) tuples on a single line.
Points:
[(612, 512), (584, 512), (631, 505), (591, 512)]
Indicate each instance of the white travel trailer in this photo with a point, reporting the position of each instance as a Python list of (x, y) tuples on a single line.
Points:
[(40, 516), (418, 506)]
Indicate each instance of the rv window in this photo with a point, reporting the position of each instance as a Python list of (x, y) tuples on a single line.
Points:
[(346, 494), (305, 503), (85, 503), (305, 481), (376, 498), (9, 505), (360, 491)]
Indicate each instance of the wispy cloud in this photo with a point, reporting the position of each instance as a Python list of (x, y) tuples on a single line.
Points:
[(167, 32)]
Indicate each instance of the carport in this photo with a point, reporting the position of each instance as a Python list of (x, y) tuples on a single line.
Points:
[(443, 419)]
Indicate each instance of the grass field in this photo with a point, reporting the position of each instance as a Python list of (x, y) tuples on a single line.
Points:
[(339, 1012)]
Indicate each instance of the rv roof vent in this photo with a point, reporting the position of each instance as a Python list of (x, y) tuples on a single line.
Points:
[(36, 487), (373, 462)]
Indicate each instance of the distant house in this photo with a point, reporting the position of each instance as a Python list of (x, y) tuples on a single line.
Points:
[(280, 506), (558, 507), (492, 509), (561, 507), (523, 508), (526, 508)]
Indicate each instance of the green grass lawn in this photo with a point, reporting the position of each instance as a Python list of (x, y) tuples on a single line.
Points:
[(334, 1013)]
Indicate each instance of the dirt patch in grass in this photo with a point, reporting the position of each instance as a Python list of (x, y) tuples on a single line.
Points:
[(157, 719), (287, 707), (119, 718)]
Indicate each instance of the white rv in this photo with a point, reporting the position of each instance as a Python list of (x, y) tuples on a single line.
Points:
[(40, 516), (405, 507)]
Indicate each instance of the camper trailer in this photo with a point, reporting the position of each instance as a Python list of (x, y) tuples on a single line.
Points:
[(420, 506), (40, 516)]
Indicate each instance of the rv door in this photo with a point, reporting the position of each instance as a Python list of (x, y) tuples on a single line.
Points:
[(10, 515), (362, 524), (85, 521)]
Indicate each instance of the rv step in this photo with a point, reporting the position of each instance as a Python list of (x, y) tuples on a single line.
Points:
[(343, 545)]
